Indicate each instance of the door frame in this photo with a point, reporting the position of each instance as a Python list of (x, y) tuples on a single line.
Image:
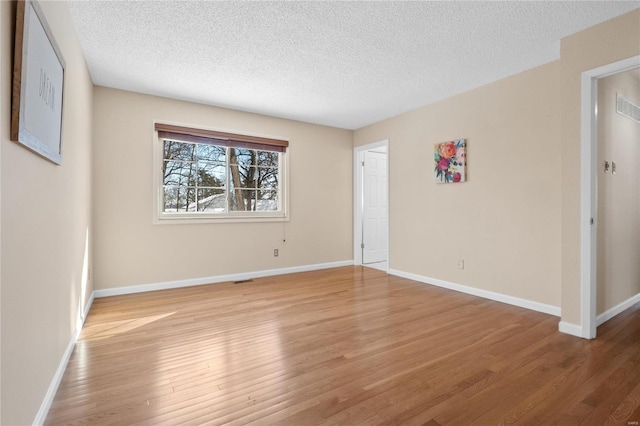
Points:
[(589, 188), (358, 198)]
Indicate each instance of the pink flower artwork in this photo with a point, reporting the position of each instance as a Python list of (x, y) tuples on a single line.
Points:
[(451, 161)]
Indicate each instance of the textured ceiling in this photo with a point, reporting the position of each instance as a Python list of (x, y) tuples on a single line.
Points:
[(343, 64)]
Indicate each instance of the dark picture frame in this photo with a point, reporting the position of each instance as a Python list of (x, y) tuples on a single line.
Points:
[(38, 84)]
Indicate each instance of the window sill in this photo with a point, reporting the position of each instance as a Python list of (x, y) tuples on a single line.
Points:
[(197, 219)]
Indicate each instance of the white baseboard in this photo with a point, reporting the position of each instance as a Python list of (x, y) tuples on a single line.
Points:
[(41, 415), (216, 279), (53, 387), (576, 330), (498, 297), (618, 309), (87, 308), (572, 329)]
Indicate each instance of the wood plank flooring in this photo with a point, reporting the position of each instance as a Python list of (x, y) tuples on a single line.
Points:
[(346, 346)]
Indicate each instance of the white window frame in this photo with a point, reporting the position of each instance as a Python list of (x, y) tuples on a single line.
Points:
[(161, 218)]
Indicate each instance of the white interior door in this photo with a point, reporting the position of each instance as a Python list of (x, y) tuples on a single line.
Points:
[(375, 227)]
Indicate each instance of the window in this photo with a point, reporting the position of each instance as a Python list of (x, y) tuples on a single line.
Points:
[(216, 175)]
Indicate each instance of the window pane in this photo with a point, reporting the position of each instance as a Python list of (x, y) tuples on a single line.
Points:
[(242, 200), (248, 174), (171, 202), (253, 200), (243, 156), (248, 177), (243, 177), (179, 173), (267, 201), (267, 178), (174, 150), (267, 159), (211, 200), (179, 199), (212, 153), (212, 175)]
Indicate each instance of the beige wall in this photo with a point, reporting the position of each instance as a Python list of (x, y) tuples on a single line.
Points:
[(131, 250), (45, 220), (603, 44), (618, 196), (504, 222), (6, 29)]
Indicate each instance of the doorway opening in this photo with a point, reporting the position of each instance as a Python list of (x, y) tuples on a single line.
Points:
[(590, 166), (371, 205)]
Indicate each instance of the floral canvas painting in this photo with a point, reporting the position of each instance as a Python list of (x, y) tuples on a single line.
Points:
[(451, 161)]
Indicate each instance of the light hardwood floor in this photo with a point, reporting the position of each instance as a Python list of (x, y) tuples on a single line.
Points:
[(346, 346)]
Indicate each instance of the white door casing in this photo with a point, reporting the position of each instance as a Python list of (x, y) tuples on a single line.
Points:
[(588, 193), (358, 198)]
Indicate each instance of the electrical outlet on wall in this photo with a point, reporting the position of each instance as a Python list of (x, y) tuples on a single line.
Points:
[(460, 264), (275, 252)]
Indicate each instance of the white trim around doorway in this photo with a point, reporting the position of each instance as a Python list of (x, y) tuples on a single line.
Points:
[(588, 190), (358, 197)]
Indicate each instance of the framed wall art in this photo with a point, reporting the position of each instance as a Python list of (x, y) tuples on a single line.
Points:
[(38, 82), (451, 161)]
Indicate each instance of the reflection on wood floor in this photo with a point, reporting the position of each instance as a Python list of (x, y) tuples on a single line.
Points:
[(349, 345)]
